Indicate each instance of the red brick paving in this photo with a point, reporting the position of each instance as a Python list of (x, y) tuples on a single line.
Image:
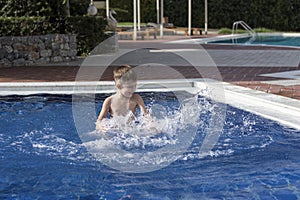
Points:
[(287, 91), (246, 77), (243, 76), (38, 73)]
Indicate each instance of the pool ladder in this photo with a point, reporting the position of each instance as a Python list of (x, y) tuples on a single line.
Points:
[(246, 27)]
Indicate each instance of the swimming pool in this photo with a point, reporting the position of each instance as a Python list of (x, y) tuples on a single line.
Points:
[(42, 156), (290, 40)]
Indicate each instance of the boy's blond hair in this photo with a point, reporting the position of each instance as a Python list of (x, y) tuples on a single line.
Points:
[(124, 73)]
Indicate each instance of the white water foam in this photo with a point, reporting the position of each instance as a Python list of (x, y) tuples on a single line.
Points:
[(138, 141)]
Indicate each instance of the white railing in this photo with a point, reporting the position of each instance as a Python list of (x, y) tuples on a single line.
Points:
[(252, 33), (244, 25)]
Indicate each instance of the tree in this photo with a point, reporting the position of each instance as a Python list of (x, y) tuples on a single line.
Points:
[(124, 10), (20, 8)]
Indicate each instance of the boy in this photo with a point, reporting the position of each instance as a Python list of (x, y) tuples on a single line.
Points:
[(125, 100)]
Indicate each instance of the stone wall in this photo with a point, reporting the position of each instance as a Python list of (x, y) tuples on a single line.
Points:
[(35, 50)]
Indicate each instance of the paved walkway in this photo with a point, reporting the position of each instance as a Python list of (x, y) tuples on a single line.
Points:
[(259, 68)]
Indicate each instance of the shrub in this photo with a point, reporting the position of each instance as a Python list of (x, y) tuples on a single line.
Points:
[(225, 31), (89, 30), (240, 31), (263, 30)]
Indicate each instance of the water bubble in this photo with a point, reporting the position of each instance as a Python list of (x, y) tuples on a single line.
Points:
[(158, 111)]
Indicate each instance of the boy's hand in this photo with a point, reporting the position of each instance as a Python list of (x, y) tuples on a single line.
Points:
[(100, 127)]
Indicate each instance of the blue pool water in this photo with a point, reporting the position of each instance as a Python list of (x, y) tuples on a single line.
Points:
[(263, 40), (42, 157)]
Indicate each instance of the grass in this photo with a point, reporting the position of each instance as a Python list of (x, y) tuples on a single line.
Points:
[(121, 24)]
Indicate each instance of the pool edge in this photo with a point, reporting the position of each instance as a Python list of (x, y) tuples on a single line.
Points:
[(283, 110)]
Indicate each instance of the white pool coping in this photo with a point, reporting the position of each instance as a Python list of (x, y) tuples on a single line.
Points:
[(283, 110), (236, 36)]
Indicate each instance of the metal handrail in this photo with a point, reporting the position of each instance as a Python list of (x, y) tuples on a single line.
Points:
[(244, 25)]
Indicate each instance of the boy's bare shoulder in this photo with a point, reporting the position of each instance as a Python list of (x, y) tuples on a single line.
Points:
[(137, 97), (108, 100)]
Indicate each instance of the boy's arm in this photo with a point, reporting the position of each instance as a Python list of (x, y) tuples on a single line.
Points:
[(104, 109), (103, 112), (141, 104)]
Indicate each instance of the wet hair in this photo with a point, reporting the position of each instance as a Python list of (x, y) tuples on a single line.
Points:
[(124, 73)]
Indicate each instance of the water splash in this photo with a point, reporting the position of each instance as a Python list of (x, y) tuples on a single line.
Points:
[(160, 128), (45, 142), (146, 141)]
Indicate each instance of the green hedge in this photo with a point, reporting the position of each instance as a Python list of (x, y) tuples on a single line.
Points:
[(89, 30), (281, 15)]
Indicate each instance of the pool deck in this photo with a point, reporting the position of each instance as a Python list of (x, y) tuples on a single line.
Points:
[(268, 69)]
